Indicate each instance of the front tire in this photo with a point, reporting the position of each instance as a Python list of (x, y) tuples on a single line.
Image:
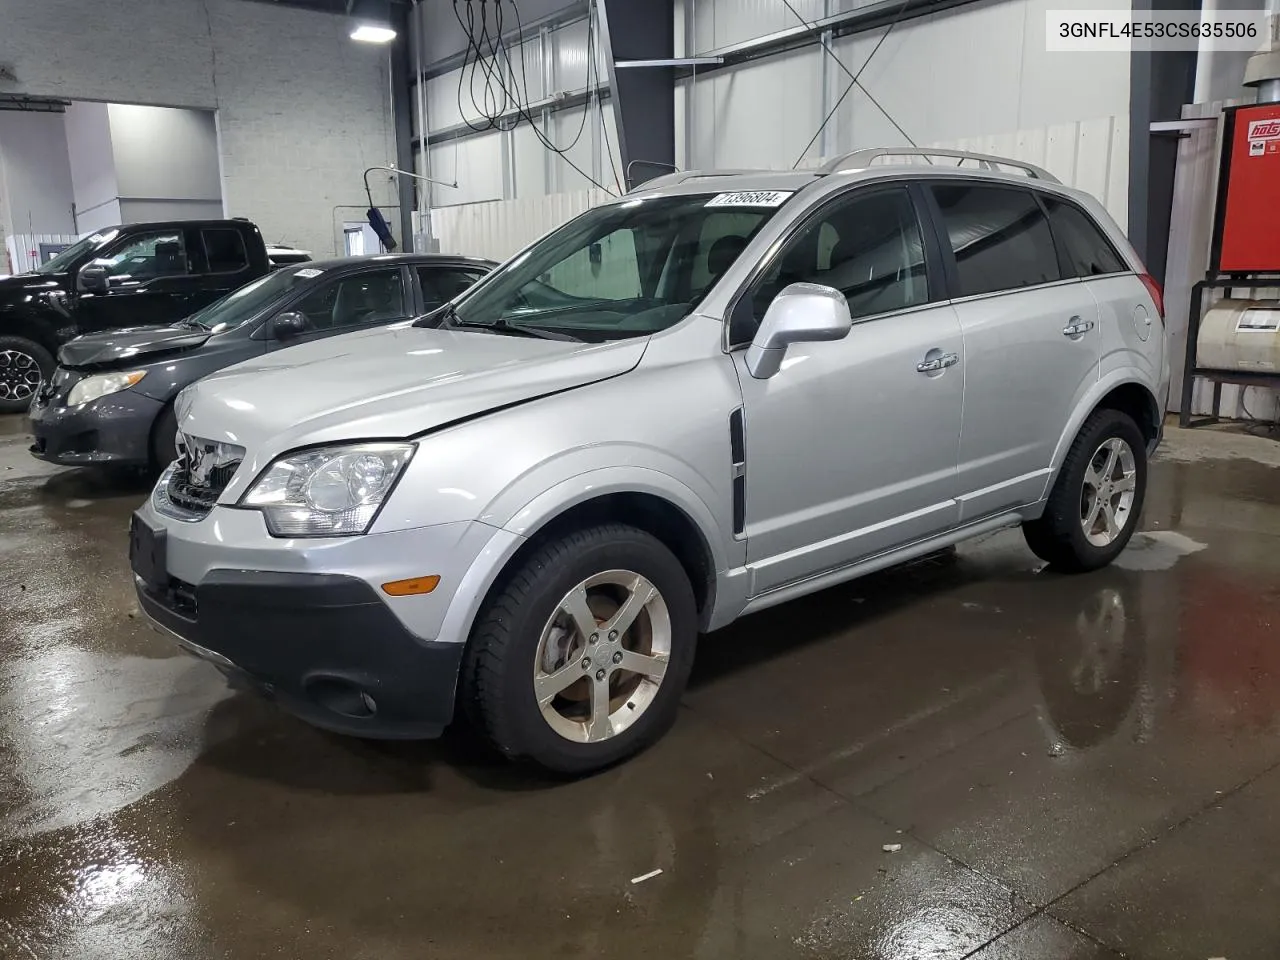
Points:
[(579, 657), (1094, 506), (24, 365)]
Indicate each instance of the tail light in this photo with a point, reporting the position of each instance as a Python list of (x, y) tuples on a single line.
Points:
[(1153, 288)]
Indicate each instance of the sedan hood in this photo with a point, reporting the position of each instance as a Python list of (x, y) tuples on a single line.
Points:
[(118, 348), (392, 382)]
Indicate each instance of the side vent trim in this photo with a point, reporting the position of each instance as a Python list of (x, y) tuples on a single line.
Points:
[(738, 455)]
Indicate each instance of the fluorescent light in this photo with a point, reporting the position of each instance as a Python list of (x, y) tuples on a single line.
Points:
[(368, 33)]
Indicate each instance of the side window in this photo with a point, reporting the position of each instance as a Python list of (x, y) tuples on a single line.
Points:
[(146, 256), (372, 297), (225, 250), (1086, 248), (442, 284), (999, 236), (608, 269), (868, 247)]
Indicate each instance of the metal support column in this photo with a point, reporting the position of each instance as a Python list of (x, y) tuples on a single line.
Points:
[(401, 70), (644, 105), (1159, 84), (548, 87)]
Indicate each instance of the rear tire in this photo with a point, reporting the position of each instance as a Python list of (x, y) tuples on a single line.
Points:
[(1095, 503), (24, 365), (555, 688)]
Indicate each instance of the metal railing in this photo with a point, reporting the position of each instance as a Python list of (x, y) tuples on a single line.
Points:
[(861, 159)]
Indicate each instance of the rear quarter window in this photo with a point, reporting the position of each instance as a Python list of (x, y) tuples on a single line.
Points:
[(1084, 247)]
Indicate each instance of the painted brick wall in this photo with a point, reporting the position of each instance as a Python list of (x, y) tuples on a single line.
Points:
[(302, 109)]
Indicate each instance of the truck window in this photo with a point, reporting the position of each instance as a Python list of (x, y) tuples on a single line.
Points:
[(145, 256), (224, 248)]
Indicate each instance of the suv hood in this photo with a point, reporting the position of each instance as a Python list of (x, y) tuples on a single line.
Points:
[(386, 383), (117, 348)]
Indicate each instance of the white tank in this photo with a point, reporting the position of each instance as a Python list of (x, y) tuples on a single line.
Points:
[(1240, 335)]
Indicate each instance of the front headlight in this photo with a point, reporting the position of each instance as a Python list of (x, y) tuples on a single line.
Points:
[(328, 492), (92, 388)]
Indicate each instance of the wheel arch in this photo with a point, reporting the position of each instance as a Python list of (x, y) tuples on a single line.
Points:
[(1122, 392), (652, 501), (653, 513), (16, 324)]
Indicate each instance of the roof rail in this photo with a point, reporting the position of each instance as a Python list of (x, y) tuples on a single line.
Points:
[(861, 159), (680, 176)]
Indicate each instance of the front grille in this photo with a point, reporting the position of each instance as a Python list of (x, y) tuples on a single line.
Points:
[(198, 477)]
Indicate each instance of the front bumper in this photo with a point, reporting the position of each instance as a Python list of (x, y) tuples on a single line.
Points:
[(324, 646), (112, 431), (305, 621)]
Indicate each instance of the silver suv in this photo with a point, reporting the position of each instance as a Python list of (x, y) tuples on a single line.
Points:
[(712, 395)]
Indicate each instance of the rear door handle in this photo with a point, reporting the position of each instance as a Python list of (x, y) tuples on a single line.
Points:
[(934, 364), (1077, 327)]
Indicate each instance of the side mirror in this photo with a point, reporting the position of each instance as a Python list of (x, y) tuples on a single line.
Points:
[(92, 279), (289, 324), (801, 313)]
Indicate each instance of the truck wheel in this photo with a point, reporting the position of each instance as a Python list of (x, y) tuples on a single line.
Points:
[(579, 657), (23, 365), (164, 439), (1094, 507)]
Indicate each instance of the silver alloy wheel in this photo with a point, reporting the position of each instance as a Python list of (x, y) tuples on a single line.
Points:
[(19, 375), (602, 656), (1106, 501)]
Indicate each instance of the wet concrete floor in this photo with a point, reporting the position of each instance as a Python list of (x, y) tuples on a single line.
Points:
[(1074, 767)]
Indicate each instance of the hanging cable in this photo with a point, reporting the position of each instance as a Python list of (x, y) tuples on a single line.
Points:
[(854, 78), (497, 68)]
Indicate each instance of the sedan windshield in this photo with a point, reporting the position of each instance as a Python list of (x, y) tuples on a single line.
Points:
[(627, 269), (242, 304)]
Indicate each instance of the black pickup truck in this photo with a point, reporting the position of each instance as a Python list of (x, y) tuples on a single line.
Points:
[(131, 275)]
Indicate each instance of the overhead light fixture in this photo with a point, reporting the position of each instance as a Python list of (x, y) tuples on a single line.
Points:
[(368, 33), (371, 21)]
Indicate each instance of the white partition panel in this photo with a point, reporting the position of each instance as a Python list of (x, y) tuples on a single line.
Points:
[(502, 227)]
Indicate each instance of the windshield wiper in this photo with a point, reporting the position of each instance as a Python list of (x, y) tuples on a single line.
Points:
[(520, 329), (188, 323), (446, 317)]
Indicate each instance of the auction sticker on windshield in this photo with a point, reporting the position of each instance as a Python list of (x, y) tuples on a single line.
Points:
[(307, 273), (750, 198)]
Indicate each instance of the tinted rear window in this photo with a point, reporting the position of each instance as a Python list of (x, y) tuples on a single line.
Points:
[(999, 236), (1085, 248), (225, 250)]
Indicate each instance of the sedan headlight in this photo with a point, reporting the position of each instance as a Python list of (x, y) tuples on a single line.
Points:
[(92, 388), (327, 492)]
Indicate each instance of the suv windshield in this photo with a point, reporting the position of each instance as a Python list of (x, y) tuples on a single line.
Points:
[(623, 270), (60, 262), (241, 304)]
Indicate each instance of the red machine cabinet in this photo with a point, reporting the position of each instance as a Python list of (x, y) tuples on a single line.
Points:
[(1247, 227)]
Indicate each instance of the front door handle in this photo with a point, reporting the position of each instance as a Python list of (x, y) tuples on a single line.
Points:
[(934, 364), (1077, 327)]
